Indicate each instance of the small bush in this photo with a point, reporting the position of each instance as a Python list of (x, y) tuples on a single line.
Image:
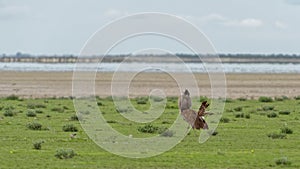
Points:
[(238, 108), (228, 100), (111, 121), (277, 135), (39, 111), (265, 99), (64, 153), (272, 115), (99, 103), (286, 130), (267, 108), (58, 109), (74, 117), (282, 161), (34, 126), (148, 128), (38, 144), (9, 113), (224, 120), (141, 102), (12, 97), (297, 98), (239, 115), (242, 99), (286, 112), (31, 113), (35, 105), (167, 133), (247, 116), (157, 98), (69, 128)]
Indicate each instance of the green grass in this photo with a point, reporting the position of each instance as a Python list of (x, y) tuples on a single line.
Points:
[(256, 142)]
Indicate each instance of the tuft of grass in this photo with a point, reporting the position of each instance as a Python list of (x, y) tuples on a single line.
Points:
[(229, 100), (34, 126), (224, 120), (297, 97), (74, 118), (58, 109), (277, 135), (31, 113), (35, 105), (272, 115), (148, 128), (285, 112), (167, 133), (64, 153), (38, 144), (9, 113), (268, 108), (157, 98), (286, 130), (247, 116), (111, 121), (239, 115), (12, 97), (242, 99), (69, 128), (265, 99), (282, 161), (238, 108)]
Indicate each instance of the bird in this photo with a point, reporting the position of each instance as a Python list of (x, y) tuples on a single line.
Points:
[(194, 118)]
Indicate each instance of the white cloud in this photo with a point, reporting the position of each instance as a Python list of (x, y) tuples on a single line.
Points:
[(251, 22), (281, 25), (229, 22)]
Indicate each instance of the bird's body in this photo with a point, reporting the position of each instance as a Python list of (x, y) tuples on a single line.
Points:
[(195, 119)]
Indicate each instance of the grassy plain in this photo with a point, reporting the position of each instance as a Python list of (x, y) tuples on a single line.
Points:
[(248, 136)]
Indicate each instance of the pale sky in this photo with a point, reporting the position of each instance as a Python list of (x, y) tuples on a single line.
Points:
[(233, 26)]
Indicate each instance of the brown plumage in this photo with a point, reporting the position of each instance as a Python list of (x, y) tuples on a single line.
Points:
[(195, 119)]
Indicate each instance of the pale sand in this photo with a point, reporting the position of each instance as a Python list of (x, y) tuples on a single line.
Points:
[(59, 84)]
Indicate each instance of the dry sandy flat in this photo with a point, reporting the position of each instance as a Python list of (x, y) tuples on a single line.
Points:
[(59, 84)]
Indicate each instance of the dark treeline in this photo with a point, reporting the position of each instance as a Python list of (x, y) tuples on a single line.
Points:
[(225, 58)]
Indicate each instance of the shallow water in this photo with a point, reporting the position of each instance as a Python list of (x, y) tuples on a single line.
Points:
[(155, 67)]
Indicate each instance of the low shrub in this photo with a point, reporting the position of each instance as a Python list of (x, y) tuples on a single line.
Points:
[(272, 115), (111, 121), (286, 130), (35, 105), (167, 133), (69, 128), (277, 135), (12, 97), (242, 99), (247, 116), (224, 120), (282, 161), (38, 144), (297, 97), (58, 109), (238, 108), (157, 98), (99, 103), (74, 117), (34, 126), (265, 99), (268, 108), (286, 112), (39, 111), (31, 113), (65, 153), (9, 113), (240, 115), (148, 128)]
